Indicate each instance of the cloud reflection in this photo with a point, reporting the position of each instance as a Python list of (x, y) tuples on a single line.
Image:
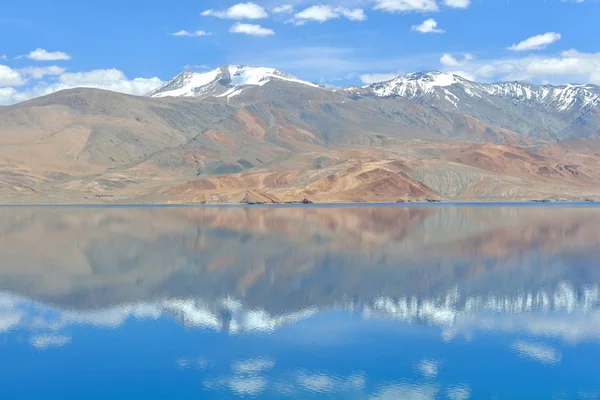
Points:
[(406, 391), (537, 352), (429, 368), (43, 342), (461, 392), (253, 366)]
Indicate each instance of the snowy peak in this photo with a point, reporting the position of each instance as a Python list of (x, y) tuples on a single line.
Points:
[(450, 91), (414, 84), (438, 89), (227, 81), (560, 98), (186, 84)]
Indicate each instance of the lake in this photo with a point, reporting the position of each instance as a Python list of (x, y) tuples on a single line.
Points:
[(369, 302)]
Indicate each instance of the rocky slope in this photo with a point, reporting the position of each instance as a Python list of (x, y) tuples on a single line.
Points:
[(242, 132)]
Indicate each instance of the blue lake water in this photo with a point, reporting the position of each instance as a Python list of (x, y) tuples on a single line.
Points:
[(371, 302)]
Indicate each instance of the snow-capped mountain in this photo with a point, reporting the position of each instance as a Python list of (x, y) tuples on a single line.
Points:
[(538, 112), (414, 85), (227, 82), (438, 89), (450, 91)]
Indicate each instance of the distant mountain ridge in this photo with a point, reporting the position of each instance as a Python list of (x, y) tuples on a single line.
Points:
[(534, 112), (238, 132), (434, 87), (452, 88)]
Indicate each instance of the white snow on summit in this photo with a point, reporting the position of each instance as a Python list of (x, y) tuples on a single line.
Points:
[(414, 84), (434, 88), (228, 81), (442, 88)]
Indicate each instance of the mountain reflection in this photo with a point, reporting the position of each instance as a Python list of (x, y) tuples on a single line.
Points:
[(256, 269), (369, 303)]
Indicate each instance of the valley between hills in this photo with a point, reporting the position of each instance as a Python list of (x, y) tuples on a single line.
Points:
[(256, 135)]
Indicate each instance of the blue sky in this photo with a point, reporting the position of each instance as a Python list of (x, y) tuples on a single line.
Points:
[(130, 46)]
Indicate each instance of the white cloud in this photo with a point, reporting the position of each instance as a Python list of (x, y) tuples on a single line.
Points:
[(536, 42), (251, 30), (428, 26), (369, 79), (41, 72), (457, 3), (463, 74), (398, 6), (323, 13), (191, 34), (450, 61), (537, 352), (239, 11), (10, 77), (107, 79), (569, 66), (3, 56), (199, 67), (283, 9), (42, 342), (45, 55)]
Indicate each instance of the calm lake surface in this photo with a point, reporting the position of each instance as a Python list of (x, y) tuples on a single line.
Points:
[(364, 302)]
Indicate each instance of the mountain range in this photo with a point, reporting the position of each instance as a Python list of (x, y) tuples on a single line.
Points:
[(259, 135)]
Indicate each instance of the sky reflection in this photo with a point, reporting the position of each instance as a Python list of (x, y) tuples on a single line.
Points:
[(357, 303)]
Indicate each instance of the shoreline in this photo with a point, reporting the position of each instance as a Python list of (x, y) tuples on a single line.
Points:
[(462, 203)]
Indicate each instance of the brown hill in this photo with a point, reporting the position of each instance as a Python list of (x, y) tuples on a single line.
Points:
[(87, 145)]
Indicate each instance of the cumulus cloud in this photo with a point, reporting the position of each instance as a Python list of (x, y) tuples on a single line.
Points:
[(401, 6), (457, 3), (45, 55), (323, 13), (43, 342), (251, 30), (570, 66), (283, 9), (191, 34), (537, 42), (428, 26), (41, 72), (10, 77), (369, 79), (239, 11), (108, 79), (449, 60)]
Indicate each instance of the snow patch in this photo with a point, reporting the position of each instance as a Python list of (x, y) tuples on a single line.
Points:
[(203, 84)]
